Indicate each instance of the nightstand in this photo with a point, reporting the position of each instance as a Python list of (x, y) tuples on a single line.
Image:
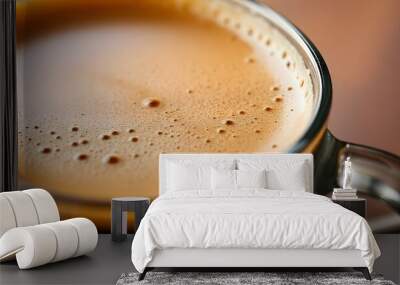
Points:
[(358, 206), (119, 210)]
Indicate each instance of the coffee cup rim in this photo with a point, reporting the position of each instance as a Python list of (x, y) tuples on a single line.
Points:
[(313, 57)]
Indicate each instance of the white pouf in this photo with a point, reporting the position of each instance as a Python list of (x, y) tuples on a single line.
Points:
[(67, 239), (7, 220), (41, 244), (87, 233), (22, 207), (45, 205), (31, 231)]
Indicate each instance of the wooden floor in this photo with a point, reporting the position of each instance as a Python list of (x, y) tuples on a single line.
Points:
[(110, 260)]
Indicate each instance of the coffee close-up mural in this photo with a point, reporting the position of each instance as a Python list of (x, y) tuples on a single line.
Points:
[(104, 87)]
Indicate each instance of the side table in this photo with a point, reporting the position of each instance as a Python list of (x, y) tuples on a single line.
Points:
[(119, 211), (358, 205)]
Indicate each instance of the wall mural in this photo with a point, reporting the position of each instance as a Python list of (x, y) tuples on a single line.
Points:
[(103, 89)]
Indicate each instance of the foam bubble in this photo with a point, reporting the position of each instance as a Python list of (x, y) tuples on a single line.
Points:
[(82, 156), (45, 150), (111, 159), (228, 122), (226, 21), (249, 60), (221, 131), (151, 102), (134, 139)]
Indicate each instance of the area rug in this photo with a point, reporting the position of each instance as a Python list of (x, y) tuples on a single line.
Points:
[(269, 278)]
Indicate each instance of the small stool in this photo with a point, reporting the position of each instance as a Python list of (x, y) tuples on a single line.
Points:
[(119, 212)]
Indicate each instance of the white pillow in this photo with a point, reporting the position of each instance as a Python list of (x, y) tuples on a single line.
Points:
[(282, 174), (185, 177), (237, 179), (223, 179), (187, 174), (251, 178), (292, 179)]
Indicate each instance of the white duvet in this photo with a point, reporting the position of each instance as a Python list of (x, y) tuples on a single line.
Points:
[(250, 218)]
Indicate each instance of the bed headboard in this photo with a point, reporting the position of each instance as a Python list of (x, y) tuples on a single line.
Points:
[(171, 157)]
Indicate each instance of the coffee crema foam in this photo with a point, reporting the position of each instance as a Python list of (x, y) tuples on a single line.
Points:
[(104, 88)]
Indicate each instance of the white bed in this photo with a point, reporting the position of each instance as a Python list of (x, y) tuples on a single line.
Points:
[(248, 227)]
